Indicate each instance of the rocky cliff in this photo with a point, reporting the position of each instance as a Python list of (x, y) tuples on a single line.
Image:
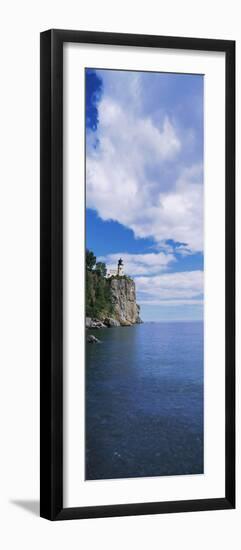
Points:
[(123, 298), (119, 305)]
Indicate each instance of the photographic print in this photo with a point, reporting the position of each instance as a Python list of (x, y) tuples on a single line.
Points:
[(144, 294), (137, 384)]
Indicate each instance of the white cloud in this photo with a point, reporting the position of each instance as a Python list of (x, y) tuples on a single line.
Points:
[(167, 303), (134, 175), (187, 286), (140, 264)]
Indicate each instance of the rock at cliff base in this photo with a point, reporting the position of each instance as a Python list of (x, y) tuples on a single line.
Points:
[(125, 323), (93, 323), (109, 322)]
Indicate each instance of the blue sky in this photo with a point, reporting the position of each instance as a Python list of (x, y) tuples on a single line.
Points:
[(144, 185)]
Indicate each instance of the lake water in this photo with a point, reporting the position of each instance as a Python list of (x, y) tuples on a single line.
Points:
[(144, 401)]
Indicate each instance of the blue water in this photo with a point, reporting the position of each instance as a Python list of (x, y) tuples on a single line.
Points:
[(144, 401)]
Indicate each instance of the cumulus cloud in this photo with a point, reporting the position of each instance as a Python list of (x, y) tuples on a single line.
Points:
[(134, 167), (171, 288)]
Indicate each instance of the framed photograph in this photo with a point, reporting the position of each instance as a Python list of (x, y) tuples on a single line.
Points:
[(137, 274)]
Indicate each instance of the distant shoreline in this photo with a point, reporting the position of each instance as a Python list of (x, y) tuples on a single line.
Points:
[(171, 321)]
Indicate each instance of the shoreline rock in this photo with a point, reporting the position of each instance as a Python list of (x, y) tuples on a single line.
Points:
[(93, 340), (109, 322), (94, 323), (125, 323)]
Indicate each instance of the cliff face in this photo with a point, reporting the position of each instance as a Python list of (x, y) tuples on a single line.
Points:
[(123, 298), (111, 301)]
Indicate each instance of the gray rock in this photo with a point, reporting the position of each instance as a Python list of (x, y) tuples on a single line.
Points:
[(98, 324), (110, 322), (126, 323), (93, 323), (93, 340)]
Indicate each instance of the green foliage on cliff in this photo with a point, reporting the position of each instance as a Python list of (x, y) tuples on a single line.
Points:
[(98, 299)]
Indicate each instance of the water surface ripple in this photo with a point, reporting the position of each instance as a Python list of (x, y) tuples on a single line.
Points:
[(144, 401)]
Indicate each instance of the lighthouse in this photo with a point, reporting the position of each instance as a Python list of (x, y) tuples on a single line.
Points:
[(116, 272), (120, 268)]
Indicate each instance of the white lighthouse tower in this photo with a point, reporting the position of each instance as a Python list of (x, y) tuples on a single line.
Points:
[(116, 272), (120, 268)]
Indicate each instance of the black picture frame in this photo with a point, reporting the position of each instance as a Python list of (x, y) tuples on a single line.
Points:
[(51, 324)]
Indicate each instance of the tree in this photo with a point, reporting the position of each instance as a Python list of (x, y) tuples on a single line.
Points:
[(100, 269), (98, 297), (90, 260)]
